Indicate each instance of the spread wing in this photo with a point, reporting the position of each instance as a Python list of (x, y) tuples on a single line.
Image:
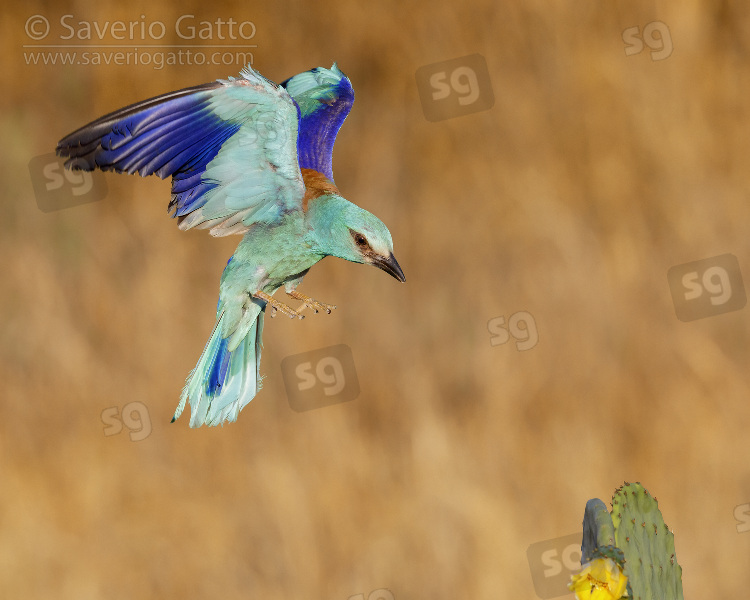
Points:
[(325, 97), (230, 147)]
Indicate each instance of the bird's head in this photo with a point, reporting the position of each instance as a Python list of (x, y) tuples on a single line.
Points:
[(356, 235)]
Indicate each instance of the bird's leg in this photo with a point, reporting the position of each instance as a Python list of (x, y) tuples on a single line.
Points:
[(308, 302), (277, 306)]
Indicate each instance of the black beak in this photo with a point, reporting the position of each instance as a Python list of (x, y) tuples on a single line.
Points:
[(389, 265)]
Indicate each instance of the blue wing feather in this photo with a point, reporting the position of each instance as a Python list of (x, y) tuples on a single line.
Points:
[(163, 136), (209, 139), (325, 97)]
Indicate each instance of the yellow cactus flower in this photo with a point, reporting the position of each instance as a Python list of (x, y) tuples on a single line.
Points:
[(600, 579)]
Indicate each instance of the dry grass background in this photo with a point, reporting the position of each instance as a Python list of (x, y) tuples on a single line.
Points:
[(593, 174)]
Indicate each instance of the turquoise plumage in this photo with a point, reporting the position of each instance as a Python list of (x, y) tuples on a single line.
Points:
[(250, 157)]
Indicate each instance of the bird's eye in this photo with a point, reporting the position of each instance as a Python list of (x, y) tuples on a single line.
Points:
[(360, 240)]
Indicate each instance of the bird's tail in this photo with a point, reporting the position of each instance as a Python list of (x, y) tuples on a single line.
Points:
[(224, 380)]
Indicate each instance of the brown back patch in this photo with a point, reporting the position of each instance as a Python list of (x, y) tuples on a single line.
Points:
[(316, 184)]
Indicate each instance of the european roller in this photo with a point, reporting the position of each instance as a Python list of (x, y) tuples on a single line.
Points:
[(252, 158)]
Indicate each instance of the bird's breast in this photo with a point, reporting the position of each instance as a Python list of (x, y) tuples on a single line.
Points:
[(270, 256)]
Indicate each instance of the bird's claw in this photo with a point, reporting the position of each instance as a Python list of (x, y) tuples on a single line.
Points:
[(307, 302), (311, 303), (291, 315), (316, 306), (277, 306)]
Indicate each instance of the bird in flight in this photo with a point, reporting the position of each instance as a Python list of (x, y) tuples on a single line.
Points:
[(253, 158)]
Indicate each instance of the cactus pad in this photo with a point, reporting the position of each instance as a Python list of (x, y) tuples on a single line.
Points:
[(640, 532), (632, 541)]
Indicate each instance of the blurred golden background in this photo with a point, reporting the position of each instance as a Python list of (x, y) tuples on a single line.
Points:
[(592, 175)]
